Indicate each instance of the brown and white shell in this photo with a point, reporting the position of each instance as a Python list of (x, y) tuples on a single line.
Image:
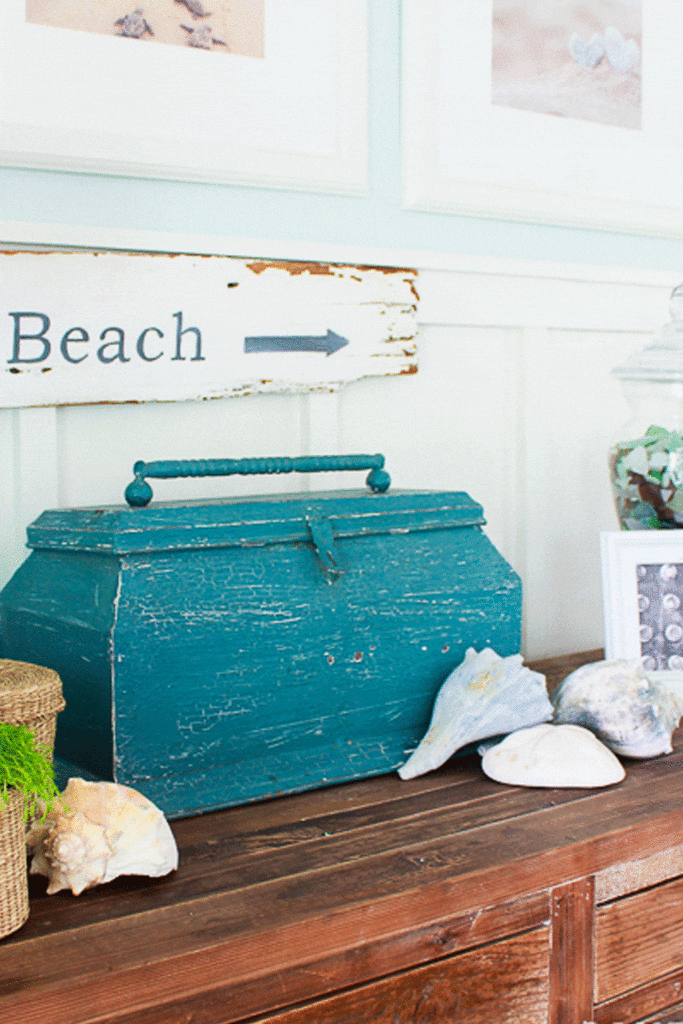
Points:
[(97, 831)]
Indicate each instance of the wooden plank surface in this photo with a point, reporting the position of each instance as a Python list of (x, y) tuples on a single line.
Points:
[(123, 327), (571, 952), (639, 938), (650, 1003), (297, 898), (672, 1015), (233, 993), (401, 866), (638, 874), (506, 982)]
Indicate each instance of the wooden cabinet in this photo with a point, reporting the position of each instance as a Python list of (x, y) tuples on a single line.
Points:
[(440, 899)]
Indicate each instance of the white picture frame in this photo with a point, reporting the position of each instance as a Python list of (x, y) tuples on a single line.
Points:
[(642, 589), (463, 154), (296, 119)]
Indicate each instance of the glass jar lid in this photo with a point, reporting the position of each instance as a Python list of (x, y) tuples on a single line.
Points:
[(663, 358)]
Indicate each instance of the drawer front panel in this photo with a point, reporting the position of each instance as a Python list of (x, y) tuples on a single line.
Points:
[(639, 938), (505, 982)]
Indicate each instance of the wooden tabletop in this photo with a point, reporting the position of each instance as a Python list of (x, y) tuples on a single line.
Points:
[(347, 882)]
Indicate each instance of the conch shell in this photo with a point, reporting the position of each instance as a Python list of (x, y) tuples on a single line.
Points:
[(484, 696), (633, 715), (552, 756), (97, 831)]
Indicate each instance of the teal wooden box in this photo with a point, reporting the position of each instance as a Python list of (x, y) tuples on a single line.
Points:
[(218, 652)]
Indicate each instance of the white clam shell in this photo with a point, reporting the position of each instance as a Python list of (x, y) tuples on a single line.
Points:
[(484, 696), (107, 831), (552, 756), (633, 715)]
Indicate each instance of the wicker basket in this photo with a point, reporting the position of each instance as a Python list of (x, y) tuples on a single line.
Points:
[(31, 695), (13, 874)]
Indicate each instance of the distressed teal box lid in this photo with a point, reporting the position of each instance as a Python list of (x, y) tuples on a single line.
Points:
[(249, 521)]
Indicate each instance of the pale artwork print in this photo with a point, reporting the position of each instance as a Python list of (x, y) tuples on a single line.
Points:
[(222, 26), (570, 59)]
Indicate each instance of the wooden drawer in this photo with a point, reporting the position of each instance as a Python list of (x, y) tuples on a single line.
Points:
[(506, 982), (639, 938), (673, 1015)]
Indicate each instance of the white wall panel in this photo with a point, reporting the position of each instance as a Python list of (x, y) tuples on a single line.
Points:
[(571, 407), (11, 530), (36, 470), (450, 426), (551, 298), (99, 444)]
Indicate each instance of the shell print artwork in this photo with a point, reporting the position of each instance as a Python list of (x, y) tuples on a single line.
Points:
[(552, 756), (107, 831), (633, 715), (484, 696)]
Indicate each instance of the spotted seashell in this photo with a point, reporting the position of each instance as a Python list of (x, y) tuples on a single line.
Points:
[(484, 696), (633, 715)]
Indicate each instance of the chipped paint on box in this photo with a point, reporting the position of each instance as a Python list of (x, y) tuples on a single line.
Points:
[(209, 659)]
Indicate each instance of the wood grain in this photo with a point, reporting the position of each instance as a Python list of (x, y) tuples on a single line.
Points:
[(639, 938), (506, 982), (235, 995), (338, 894), (659, 1001), (638, 874), (228, 856), (477, 867), (571, 952), (672, 1015)]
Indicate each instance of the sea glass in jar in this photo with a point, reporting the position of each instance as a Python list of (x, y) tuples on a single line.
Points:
[(646, 461)]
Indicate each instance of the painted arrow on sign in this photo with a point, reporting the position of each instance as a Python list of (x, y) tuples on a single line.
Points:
[(327, 343)]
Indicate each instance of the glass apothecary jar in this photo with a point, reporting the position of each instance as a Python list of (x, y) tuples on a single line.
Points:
[(646, 460)]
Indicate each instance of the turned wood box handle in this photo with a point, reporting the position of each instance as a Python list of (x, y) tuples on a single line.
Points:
[(138, 493)]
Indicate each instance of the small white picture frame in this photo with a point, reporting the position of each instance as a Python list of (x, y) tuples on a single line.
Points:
[(642, 590)]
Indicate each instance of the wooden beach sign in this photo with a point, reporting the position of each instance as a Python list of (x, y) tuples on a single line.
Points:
[(84, 327)]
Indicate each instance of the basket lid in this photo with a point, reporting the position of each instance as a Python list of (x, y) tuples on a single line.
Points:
[(28, 691)]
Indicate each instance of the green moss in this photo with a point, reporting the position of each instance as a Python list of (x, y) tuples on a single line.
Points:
[(26, 767)]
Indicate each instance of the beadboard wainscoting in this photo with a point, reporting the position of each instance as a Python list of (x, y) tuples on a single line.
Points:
[(513, 402)]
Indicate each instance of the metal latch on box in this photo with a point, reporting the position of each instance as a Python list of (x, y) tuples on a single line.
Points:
[(322, 536)]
